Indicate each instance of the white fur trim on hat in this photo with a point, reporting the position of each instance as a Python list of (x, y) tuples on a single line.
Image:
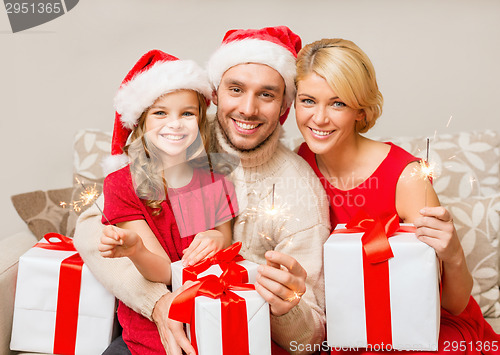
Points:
[(254, 51), (113, 163), (143, 89)]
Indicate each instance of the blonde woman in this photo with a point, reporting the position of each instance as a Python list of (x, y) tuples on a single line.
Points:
[(337, 100)]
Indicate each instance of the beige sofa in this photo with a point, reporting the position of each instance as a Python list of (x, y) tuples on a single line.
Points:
[(467, 182)]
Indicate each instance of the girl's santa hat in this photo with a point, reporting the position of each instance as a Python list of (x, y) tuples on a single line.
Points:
[(276, 47), (154, 75)]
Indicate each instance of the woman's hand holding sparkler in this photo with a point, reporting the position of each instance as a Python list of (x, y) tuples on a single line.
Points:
[(118, 242), (436, 229)]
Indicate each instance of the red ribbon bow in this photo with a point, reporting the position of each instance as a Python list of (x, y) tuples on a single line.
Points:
[(56, 241), (376, 254), (68, 296), (234, 322), (226, 259)]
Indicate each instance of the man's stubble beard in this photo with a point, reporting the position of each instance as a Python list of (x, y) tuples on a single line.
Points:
[(228, 140)]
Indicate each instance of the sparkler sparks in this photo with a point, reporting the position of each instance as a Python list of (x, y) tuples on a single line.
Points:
[(425, 170), (296, 296), (449, 121), (271, 214), (472, 180), (87, 197)]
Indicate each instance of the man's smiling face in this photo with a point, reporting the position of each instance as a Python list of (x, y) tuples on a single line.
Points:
[(250, 101)]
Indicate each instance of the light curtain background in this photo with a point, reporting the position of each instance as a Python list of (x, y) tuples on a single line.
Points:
[(434, 59)]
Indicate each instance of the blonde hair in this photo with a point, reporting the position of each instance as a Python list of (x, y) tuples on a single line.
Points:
[(348, 71), (146, 164)]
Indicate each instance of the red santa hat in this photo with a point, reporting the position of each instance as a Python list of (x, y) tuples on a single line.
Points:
[(276, 47), (154, 75)]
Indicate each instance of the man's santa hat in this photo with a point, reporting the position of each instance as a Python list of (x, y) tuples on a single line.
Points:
[(276, 47), (154, 75)]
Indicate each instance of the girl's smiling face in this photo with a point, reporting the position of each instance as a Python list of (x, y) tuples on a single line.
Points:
[(172, 124), (322, 117)]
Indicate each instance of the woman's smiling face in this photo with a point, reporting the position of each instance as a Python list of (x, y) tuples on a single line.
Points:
[(322, 117)]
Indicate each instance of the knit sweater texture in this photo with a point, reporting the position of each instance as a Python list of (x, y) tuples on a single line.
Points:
[(299, 230)]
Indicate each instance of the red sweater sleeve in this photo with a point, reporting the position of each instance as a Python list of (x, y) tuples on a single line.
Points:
[(121, 203)]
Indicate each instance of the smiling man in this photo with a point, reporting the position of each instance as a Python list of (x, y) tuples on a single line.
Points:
[(248, 101), (253, 77)]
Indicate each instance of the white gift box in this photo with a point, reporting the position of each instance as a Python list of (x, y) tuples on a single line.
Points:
[(216, 270), (208, 324), (36, 300), (414, 292)]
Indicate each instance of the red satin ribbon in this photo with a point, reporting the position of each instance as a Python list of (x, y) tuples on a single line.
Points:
[(61, 242), (234, 322), (68, 296), (376, 254), (226, 259)]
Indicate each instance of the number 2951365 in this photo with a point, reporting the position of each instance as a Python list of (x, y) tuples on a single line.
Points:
[(471, 346), (32, 8)]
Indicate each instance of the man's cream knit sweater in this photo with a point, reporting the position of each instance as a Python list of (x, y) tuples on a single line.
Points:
[(300, 233)]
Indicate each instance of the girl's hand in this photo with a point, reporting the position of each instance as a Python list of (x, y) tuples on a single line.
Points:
[(436, 229), (204, 245), (118, 242)]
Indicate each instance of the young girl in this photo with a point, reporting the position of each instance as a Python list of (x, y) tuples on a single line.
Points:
[(166, 208), (337, 100)]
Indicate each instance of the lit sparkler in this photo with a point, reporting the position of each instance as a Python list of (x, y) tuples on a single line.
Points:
[(87, 197), (425, 170), (296, 296), (268, 212)]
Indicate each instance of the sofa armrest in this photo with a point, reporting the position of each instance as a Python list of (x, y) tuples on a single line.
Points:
[(11, 248)]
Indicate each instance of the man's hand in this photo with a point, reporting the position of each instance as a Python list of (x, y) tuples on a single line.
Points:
[(172, 333), (281, 282)]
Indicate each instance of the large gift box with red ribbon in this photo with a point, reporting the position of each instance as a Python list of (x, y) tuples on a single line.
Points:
[(216, 265), (60, 307), (225, 316), (381, 287)]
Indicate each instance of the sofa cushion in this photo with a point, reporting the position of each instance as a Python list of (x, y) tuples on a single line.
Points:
[(477, 223), (90, 148), (495, 324), (11, 248), (43, 213), (466, 163)]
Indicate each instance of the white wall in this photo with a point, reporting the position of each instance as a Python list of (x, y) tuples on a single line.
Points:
[(433, 59)]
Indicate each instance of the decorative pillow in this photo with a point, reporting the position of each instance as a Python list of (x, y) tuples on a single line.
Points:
[(466, 163), (90, 149), (42, 212), (478, 225)]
